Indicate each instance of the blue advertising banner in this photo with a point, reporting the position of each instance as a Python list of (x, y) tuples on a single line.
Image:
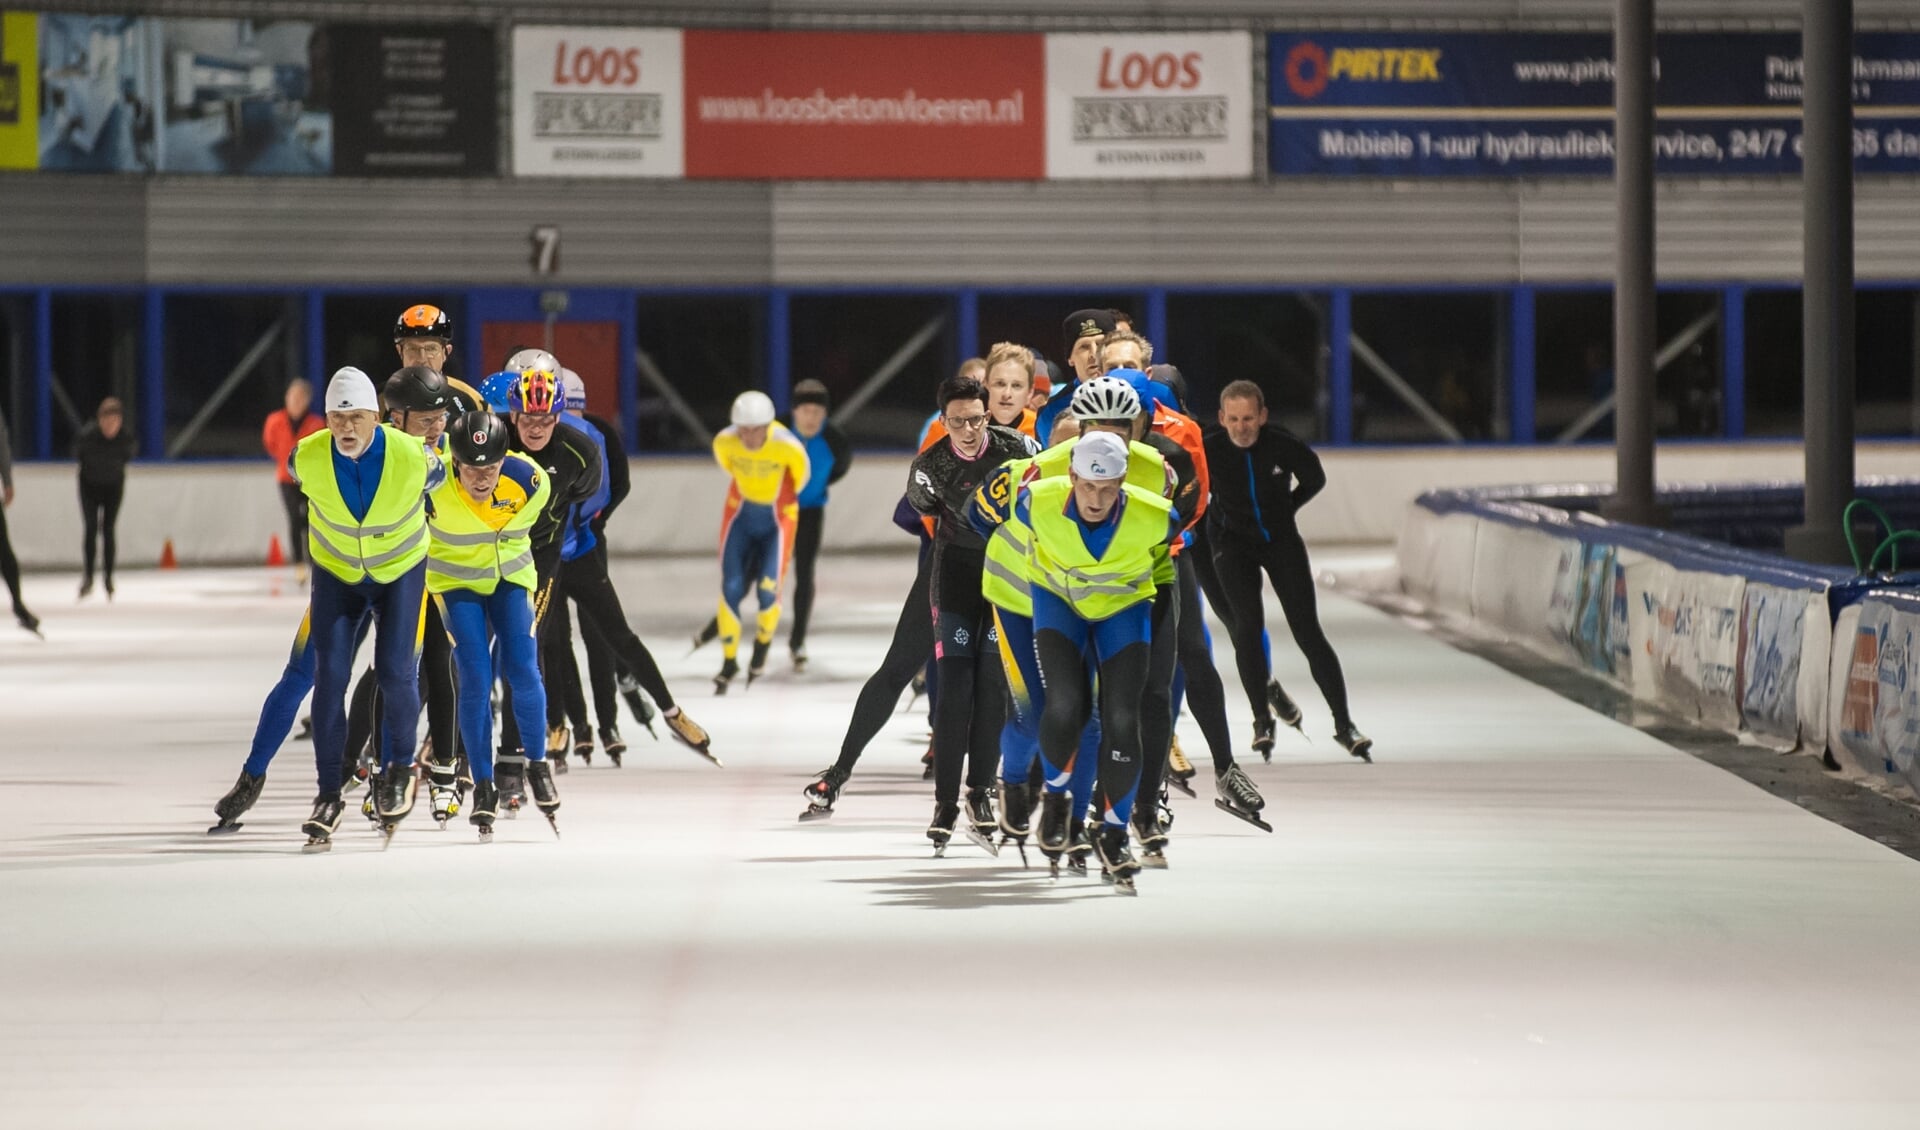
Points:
[(1413, 104)]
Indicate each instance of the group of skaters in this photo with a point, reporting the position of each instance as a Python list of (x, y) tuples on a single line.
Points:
[(452, 524), (1066, 542)]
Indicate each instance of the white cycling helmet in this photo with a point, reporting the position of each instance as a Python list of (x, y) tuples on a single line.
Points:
[(1105, 398), (533, 359), (752, 410), (574, 390)]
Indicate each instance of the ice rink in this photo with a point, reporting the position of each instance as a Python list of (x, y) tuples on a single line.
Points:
[(1524, 915)]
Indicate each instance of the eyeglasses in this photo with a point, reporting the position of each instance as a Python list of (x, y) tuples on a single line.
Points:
[(965, 423), (537, 419), (433, 421)]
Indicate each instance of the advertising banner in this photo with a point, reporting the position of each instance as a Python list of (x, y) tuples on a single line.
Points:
[(19, 90), (1685, 625), (598, 102), (1411, 104), (1139, 107), (1875, 690), (865, 105), (1772, 646), (413, 99), (241, 97), (99, 85)]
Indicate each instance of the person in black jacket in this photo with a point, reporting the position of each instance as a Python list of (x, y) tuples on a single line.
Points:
[(971, 707), (1261, 476), (103, 449), (829, 455)]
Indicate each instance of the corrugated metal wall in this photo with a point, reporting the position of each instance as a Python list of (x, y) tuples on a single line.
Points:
[(125, 230)]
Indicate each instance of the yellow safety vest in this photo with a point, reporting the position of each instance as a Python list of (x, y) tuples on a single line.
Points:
[(1004, 582), (466, 553), (392, 538), (1096, 587)]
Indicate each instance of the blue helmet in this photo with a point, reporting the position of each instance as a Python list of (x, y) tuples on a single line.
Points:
[(1150, 392), (495, 389)]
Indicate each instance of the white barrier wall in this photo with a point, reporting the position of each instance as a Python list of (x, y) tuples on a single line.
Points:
[(225, 513)]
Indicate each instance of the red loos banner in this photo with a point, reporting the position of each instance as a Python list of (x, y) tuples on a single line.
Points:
[(868, 106)]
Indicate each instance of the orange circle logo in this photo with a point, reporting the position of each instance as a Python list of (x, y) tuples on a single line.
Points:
[(1306, 69)]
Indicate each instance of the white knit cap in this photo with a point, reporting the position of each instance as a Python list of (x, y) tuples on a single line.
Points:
[(351, 390), (1101, 455)]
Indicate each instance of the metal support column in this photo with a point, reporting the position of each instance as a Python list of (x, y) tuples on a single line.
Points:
[(966, 326), (1521, 358), (1733, 361), (1827, 302), (1633, 292), (314, 342), (779, 348), (1155, 331), (43, 374)]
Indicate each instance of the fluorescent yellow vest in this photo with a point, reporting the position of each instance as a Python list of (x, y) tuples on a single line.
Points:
[(466, 553), (1096, 587), (392, 538)]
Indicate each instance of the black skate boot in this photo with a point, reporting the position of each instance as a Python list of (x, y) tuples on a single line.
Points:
[(706, 635), (1079, 846), (545, 796), (27, 619), (1016, 816), (690, 734), (1284, 707), (394, 790), (945, 816), (637, 702), (1056, 812), (239, 798), (1263, 738), (757, 666), (729, 669), (510, 774), (1180, 771), (323, 823), (557, 741), (981, 821), (1117, 865), (800, 660), (1152, 835), (1354, 742), (1238, 797), (614, 745), (824, 790), (583, 744), (443, 792), (486, 807), (926, 763)]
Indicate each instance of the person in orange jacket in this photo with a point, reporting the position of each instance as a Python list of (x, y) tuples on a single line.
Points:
[(285, 428)]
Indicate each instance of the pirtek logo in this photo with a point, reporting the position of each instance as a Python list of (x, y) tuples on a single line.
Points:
[(1309, 68)]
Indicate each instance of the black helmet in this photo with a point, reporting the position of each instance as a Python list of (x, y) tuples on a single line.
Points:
[(423, 321), (1175, 381), (478, 439), (417, 388)]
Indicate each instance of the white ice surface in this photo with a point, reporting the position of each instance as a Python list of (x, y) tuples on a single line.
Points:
[(1524, 915)]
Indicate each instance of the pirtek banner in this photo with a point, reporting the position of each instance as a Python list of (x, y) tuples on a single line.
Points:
[(867, 106), (597, 102), (1462, 103), (1132, 107)]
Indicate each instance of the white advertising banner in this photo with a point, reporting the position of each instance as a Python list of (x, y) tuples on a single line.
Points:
[(598, 102), (1149, 107)]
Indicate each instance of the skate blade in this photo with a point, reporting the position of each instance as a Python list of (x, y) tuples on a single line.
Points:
[(553, 823), (984, 843), (1239, 815), (1363, 751), (386, 835), (224, 829), (486, 835), (939, 851), (812, 814), (1181, 784), (1125, 887), (1156, 862), (717, 763), (314, 847)]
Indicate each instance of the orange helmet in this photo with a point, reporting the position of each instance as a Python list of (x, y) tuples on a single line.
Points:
[(537, 391), (423, 321)]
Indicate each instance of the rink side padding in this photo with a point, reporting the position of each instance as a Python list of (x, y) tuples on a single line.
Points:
[(1742, 640)]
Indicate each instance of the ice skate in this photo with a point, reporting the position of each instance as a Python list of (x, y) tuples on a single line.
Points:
[(1152, 835), (799, 660), (981, 822), (545, 797), (1079, 846), (583, 744), (824, 790), (705, 635), (729, 670), (443, 792), (239, 798), (757, 666), (325, 820), (1239, 797), (1117, 865), (940, 831), (926, 763), (689, 734), (27, 619), (614, 745), (486, 807), (1016, 816), (305, 733), (1355, 742), (1056, 810), (393, 794), (557, 741), (510, 774), (1284, 708), (1263, 738), (1180, 771), (918, 686), (642, 709)]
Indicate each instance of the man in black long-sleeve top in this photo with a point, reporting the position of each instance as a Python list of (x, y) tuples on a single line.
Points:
[(1261, 476)]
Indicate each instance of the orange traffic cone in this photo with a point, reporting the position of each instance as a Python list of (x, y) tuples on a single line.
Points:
[(166, 556), (276, 555)]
